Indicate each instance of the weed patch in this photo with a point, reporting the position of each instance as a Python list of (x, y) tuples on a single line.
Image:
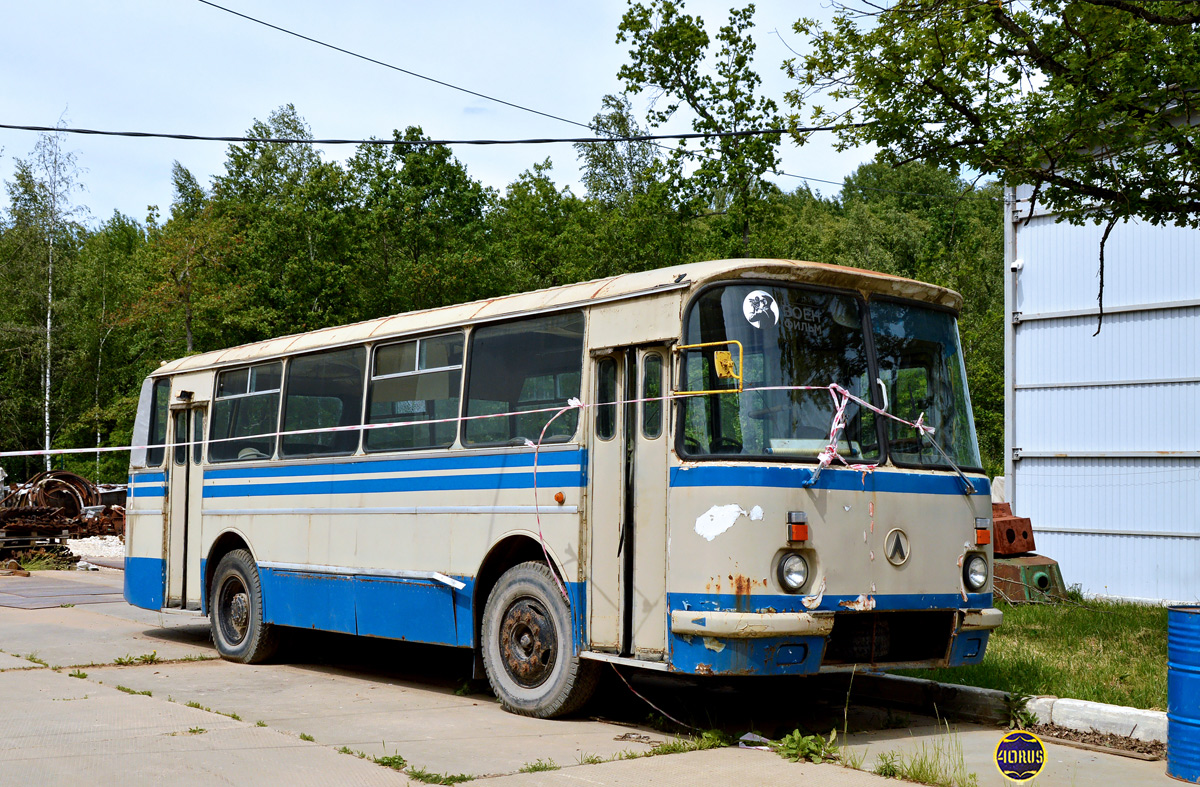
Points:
[(938, 762), (128, 690), (78, 674), (427, 777), (540, 765)]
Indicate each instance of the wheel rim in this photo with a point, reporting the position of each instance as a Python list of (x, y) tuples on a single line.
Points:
[(528, 643), (234, 611)]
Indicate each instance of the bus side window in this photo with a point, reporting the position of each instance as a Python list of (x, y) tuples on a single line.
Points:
[(323, 391), (652, 388), (606, 395), (522, 367), (412, 382), (160, 399), (245, 413), (181, 440), (197, 436)]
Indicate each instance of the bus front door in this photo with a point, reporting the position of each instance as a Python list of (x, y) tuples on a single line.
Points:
[(185, 485), (627, 504)]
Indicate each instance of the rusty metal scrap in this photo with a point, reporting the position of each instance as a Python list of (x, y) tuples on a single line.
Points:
[(58, 504)]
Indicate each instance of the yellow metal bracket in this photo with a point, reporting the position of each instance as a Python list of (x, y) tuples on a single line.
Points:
[(723, 361)]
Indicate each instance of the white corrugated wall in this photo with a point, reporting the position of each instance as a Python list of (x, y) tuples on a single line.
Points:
[(1103, 432)]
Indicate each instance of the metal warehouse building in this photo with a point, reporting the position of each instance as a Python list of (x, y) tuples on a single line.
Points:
[(1102, 433)]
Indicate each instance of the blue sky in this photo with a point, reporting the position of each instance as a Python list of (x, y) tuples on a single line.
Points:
[(184, 67)]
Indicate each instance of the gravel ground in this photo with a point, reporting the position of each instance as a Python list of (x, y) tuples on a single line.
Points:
[(1107, 739), (97, 546)]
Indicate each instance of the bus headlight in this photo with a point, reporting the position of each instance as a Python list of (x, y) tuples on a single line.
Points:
[(793, 572), (975, 572)]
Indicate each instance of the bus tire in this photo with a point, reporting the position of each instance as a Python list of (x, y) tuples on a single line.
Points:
[(238, 629), (528, 648)]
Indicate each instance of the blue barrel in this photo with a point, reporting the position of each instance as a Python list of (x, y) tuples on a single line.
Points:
[(1183, 693)]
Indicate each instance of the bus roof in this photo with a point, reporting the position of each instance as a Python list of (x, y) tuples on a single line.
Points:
[(623, 286)]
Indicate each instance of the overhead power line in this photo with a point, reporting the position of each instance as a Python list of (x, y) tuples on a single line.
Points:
[(395, 68), (646, 138), (404, 142)]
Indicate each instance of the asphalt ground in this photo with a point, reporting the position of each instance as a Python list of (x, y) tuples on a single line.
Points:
[(95, 691)]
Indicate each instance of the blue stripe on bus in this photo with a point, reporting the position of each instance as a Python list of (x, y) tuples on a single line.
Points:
[(413, 610), (843, 480), (144, 478), (147, 491), (830, 603), (145, 581), (441, 483), (422, 464)]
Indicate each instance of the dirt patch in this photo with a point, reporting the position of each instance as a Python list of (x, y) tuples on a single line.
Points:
[(1106, 739)]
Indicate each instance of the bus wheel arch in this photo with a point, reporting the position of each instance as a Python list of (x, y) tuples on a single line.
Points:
[(512, 550), (224, 544)]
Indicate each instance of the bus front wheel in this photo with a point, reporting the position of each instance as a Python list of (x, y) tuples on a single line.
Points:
[(528, 651), (238, 629)]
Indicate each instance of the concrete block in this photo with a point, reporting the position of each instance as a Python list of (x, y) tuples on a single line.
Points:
[(1042, 708), (1145, 725)]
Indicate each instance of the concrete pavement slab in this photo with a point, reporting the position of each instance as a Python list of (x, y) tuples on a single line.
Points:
[(1065, 765), (429, 726), (70, 731), (99, 633), (714, 766), (16, 661)]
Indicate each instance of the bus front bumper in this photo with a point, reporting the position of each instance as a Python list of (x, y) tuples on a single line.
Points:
[(795, 643)]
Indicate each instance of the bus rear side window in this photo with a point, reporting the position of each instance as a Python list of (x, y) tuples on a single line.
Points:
[(523, 367), (324, 391), (245, 413), (160, 400)]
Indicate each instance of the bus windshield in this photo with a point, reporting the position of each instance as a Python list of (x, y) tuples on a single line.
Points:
[(921, 367), (790, 337), (793, 336)]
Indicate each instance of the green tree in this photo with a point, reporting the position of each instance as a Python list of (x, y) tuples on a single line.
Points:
[(669, 52), (287, 209), (420, 226), (42, 239), (1092, 102)]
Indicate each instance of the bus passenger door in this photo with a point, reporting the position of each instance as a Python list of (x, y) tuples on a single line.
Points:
[(606, 503), (185, 485), (647, 509), (627, 504)]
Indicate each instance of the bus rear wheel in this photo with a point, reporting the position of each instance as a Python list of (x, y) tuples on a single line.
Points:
[(528, 650), (236, 617)]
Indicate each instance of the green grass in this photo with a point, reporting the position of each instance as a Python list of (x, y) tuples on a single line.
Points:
[(128, 690), (78, 674), (304, 736), (540, 765), (938, 762), (34, 658), (44, 560), (1092, 650), (427, 777)]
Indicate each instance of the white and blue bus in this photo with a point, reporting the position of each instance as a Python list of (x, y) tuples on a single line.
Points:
[(748, 467)]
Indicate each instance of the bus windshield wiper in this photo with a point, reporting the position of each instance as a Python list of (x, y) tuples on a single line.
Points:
[(968, 487)]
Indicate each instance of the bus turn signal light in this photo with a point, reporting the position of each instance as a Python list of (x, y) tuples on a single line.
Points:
[(983, 537), (798, 532)]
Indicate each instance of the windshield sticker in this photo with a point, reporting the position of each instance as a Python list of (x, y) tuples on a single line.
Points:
[(761, 310)]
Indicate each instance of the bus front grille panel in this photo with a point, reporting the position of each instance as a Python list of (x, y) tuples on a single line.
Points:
[(889, 637)]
